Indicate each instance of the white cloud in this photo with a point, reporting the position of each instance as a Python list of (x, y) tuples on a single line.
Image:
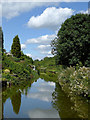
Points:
[(23, 46), (45, 52), (46, 39), (43, 47), (83, 12), (43, 42), (29, 55), (51, 17), (13, 9)]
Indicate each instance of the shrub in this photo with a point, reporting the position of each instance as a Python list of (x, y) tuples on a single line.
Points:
[(75, 79)]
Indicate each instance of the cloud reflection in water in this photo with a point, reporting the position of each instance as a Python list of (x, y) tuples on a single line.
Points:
[(41, 113), (43, 92)]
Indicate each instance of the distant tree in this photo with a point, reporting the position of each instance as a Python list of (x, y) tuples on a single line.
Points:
[(1, 40), (16, 48), (72, 45)]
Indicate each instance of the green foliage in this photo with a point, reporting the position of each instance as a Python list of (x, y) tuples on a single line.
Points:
[(72, 44), (74, 107), (21, 69), (48, 77), (16, 48), (46, 62), (26, 58), (75, 81), (16, 59)]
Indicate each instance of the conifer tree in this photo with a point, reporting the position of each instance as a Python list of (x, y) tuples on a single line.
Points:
[(16, 48)]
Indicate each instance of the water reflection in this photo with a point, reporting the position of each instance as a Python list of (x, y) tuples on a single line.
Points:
[(44, 113), (41, 100), (13, 94), (16, 101), (42, 91), (69, 107), (30, 102)]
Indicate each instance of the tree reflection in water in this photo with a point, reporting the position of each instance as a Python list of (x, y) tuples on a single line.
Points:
[(14, 93), (16, 101), (68, 108), (73, 107)]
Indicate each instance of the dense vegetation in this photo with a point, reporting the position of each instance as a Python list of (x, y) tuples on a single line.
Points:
[(17, 67), (71, 46)]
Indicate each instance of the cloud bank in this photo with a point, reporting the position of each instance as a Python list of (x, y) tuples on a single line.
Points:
[(13, 9), (51, 18), (44, 39)]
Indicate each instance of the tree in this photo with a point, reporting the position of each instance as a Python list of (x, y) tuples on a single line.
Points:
[(1, 40), (16, 48), (72, 45)]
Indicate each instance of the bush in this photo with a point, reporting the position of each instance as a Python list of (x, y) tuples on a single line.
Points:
[(16, 59), (21, 69), (76, 80)]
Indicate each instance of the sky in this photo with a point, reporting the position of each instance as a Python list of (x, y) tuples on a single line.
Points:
[(36, 23)]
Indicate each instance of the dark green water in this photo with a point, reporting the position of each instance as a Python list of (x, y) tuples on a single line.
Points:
[(41, 99)]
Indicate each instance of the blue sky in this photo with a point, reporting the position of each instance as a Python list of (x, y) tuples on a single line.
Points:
[(36, 24)]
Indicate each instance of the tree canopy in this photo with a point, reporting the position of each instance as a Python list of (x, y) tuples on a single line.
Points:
[(72, 45), (16, 48)]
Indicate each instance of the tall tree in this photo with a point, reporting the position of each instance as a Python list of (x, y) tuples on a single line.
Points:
[(16, 47), (72, 45), (1, 40)]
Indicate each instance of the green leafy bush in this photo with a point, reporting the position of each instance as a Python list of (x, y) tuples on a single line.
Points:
[(16, 59), (22, 70), (75, 80)]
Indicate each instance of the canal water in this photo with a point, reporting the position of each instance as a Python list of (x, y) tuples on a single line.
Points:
[(41, 99)]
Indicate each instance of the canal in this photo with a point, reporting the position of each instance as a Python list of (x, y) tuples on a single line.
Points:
[(41, 99)]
